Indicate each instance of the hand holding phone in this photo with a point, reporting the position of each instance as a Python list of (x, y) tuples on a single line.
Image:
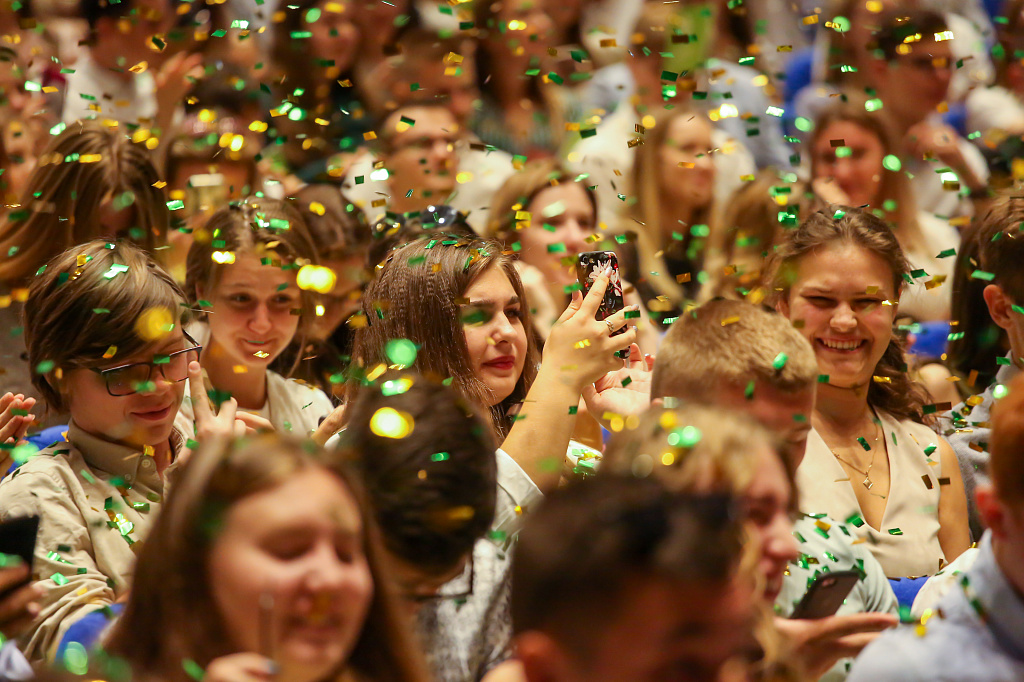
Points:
[(589, 266), (826, 594)]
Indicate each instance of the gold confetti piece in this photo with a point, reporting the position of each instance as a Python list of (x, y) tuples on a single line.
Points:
[(881, 380), (453, 58), (317, 208), (111, 352), (370, 135), (873, 289), (261, 354), (90, 158), (608, 42), (683, 278), (154, 324), (582, 343), (730, 320), (239, 369), (810, 19), (148, 450), (159, 184)]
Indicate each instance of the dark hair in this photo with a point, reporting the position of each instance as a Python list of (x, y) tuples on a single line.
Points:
[(576, 552), (337, 227), (897, 25), (898, 395), (172, 615), (94, 10), (433, 489), (1001, 243), (414, 295), (89, 299), (976, 342)]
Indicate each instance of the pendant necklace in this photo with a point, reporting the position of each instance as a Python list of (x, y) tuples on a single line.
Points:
[(867, 482)]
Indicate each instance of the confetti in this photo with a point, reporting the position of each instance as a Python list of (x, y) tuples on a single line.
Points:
[(388, 422)]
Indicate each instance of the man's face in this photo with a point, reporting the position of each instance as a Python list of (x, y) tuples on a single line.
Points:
[(422, 155), (787, 414), (452, 85), (665, 631), (135, 29), (923, 68)]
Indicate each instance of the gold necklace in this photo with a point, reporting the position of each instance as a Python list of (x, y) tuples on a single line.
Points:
[(867, 482)]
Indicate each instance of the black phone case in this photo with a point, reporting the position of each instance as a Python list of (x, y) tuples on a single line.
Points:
[(18, 536), (589, 261), (826, 594)]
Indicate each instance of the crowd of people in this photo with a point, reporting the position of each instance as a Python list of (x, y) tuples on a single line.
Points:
[(303, 376)]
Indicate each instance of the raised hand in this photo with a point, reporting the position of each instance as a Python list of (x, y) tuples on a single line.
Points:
[(624, 391), (819, 643), (13, 426), (582, 347), (245, 667)]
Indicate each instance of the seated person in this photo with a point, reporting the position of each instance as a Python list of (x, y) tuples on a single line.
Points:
[(120, 375), (617, 579), (725, 353), (301, 595), (433, 492), (974, 632), (1001, 253)]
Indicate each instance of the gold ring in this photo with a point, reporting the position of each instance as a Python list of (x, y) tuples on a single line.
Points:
[(611, 328)]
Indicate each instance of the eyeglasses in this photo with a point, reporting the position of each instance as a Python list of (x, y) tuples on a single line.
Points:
[(138, 376), (457, 593), (440, 217)]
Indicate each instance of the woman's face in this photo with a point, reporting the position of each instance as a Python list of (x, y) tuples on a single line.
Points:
[(137, 420), (493, 324), (529, 30), (854, 164), (251, 319), (289, 576), (558, 215), (767, 502), (334, 33), (687, 170), (844, 300)]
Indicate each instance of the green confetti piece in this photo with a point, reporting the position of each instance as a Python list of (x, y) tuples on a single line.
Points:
[(440, 457), (627, 381), (894, 531), (946, 254), (855, 520), (780, 361), (863, 443), (748, 391), (76, 659), (59, 578), (193, 669), (632, 314), (686, 437), (981, 274), (823, 378), (115, 270), (1017, 309), (401, 352), (892, 162), (574, 409), (175, 205), (44, 366)]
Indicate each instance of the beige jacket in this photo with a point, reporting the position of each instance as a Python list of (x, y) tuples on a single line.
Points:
[(97, 501)]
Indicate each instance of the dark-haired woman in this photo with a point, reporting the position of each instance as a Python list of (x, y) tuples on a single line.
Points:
[(870, 458)]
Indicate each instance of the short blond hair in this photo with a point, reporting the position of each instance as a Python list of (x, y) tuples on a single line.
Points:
[(732, 342)]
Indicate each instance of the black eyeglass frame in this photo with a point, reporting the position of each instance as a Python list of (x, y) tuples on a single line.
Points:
[(106, 373)]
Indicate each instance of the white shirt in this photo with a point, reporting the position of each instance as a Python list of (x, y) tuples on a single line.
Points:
[(95, 92)]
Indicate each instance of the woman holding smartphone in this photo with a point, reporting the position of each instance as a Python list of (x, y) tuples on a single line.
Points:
[(460, 304)]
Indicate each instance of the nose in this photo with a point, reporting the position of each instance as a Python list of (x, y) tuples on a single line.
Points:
[(260, 321), (503, 330), (843, 318), (780, 545), (575, 236), (326, 572)]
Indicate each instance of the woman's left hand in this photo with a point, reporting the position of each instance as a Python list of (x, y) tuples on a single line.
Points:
[(622, 392)]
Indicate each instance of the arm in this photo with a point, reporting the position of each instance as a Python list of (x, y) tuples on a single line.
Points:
[(954, 532), (72, 584), (579, 350)]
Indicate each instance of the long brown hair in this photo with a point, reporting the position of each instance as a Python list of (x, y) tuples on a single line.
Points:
[(84, 167), (172, 616), (646, 213), (896, 393), (520, 190), (414, 295)]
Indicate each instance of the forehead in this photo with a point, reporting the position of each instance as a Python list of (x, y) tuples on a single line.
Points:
[(566, 192), (427, 122), (311, 495), (686, 128), (491, 284), (248, 270), (851, 134), (844, 268)]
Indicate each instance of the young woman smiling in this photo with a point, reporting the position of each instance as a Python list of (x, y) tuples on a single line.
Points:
[(461, 303), (244, 279), (300, 596), (870, 459)]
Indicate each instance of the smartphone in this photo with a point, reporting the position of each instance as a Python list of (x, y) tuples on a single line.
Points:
[(826, 594), (589, 266), (18, 537)]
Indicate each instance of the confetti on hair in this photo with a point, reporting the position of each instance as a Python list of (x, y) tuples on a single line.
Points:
[(388, 422), (316, 278), (154, 324), (780, 361), (401, 352)]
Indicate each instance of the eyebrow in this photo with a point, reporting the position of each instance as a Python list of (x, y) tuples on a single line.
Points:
[(491, 302)]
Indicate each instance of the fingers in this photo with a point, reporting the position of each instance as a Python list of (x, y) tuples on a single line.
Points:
[(856, 623), (649, 360), (574, 305), (245, 667), (329, 426), (636, 359), (592, 301), (197, 392), (9, 577), (253, 423), (19, 606), (14, 426)]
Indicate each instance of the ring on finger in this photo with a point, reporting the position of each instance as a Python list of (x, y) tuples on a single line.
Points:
[(611, 327)]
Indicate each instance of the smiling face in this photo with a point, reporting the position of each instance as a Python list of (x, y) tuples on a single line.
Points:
[(299, 574), (767, 501), (495, 335), (562, 214), (135, 420), (251, 319), (859, 172), (422, 156), (838, 302)]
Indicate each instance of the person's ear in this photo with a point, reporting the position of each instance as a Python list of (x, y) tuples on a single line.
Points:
[(543, 660), (1000, 306), (782, 305), (991, 510)]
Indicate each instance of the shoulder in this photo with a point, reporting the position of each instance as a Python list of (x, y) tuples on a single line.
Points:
[(278, 385), (47, 479), (902, 655)]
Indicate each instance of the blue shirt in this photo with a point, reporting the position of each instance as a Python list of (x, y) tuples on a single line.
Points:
[(956, 643)]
